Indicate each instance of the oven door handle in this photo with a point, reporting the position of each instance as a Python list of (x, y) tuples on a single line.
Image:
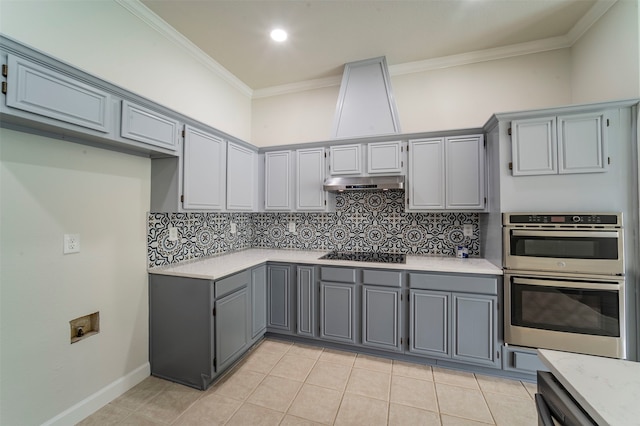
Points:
[(578, 234), (568, 284)]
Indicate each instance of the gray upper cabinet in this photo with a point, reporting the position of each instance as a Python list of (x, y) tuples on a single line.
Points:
[(426, 184), (465, 177), (148, 126), (204, 170), (345, 160), (309, 177), (307, 301), (447, 174), (561, 144), (241, 169), (385, 157), (45, 92), (278, 187)]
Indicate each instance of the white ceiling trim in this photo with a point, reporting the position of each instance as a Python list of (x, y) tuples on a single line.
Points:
[(154, 21), (158, 24)]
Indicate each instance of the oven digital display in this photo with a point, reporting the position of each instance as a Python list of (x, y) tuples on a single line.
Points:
[(557, 219)]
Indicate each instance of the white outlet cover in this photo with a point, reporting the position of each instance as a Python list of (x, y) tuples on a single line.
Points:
[(467, 230), (173, 233), (233, 228), (71, 243), (292, 227)]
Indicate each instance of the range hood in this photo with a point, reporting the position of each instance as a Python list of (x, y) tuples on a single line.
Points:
[(366, 106), (363, 183)]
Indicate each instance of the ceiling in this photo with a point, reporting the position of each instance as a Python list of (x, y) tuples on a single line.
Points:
[(325, 34)]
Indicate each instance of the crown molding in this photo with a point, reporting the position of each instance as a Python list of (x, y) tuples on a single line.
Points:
[(561, 42), (143, 13)]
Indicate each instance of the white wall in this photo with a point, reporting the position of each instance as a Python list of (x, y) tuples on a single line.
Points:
[(48, 188), (605, 61), (450, 98), (103, 38)]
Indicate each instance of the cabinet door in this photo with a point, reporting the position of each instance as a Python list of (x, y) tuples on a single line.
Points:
[(384, 157), (240, 177), (474, 328), (338, 312), (310, 168), (277, 181), (232, 316), (345, 160), (145, 125), (258, 301), (429, 323), (381, 317), (465, 173), (534, 146), (39, 90), (279, 297), (306, 278), (426, 174), (582, 143), (204, 170)]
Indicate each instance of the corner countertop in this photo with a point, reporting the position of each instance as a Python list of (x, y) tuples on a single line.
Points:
[(216, 267), (607, 389)]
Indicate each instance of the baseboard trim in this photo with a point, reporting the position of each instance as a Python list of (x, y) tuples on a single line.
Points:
[(99, 399)]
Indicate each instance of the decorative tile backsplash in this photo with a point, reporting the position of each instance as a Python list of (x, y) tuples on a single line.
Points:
[(363, 221)]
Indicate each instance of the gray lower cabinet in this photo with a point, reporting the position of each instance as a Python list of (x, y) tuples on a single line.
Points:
[(258, 302), (307, 312), (338, 312), (381, 317), (232, 325), (280, 309), (429, 323), (521, 360), (474, 328), (182, 330), (448, 319)]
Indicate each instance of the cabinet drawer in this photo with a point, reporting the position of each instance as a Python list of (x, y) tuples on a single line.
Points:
[(341, 275), (522, 359), (460, 283), (144, 125), (385, 278), (231, 283)]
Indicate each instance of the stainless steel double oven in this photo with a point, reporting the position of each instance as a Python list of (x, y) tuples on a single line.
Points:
[(564, 282)]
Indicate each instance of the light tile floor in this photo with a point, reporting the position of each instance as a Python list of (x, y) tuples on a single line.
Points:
[(281, 383)]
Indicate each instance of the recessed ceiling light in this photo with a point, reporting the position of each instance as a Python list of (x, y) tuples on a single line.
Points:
[(279, 35)]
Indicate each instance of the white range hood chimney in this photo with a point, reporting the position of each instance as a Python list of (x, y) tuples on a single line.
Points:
[(366, 106)]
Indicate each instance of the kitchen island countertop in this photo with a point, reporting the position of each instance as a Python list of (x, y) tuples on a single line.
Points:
[(607, 389), (216, 267)]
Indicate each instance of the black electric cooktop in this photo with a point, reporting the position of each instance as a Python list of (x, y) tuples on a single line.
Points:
[(360, 256)]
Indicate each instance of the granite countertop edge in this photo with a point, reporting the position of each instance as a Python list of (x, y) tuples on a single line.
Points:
[(219, 266)]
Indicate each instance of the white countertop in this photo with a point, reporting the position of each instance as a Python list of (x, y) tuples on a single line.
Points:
[(607, 389), (219, 266)]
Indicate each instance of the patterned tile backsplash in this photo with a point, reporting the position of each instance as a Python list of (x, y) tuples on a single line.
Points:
[(363, 221)]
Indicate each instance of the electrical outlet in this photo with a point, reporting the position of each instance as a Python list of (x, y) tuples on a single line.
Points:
[(292, 227), (234, 228), (467, 230), (173, 233), (71, 243)]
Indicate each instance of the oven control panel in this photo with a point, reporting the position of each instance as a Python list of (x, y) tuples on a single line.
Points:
[(562, 219)]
